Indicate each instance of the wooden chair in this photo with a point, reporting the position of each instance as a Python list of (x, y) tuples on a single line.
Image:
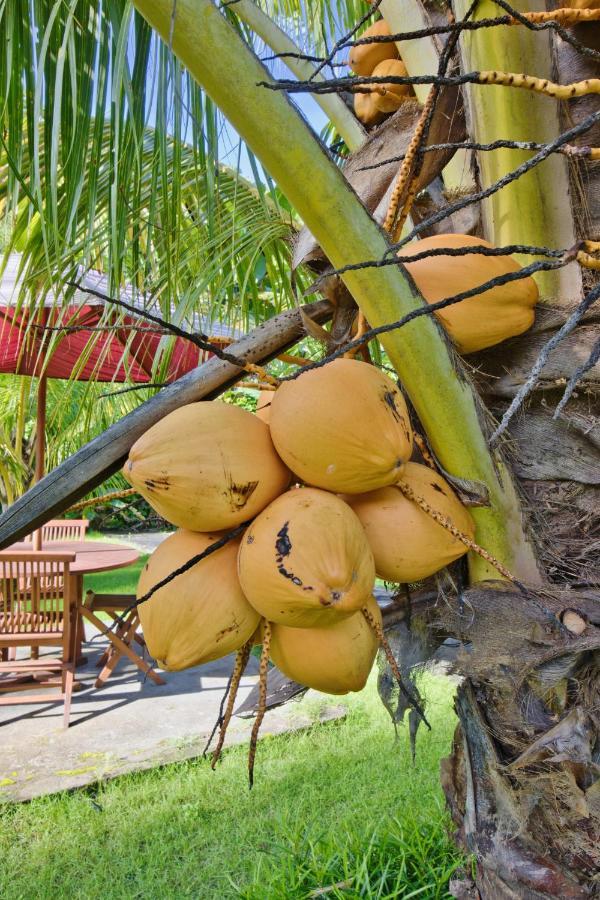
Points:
[(114, 605), (37, 610), (62, 530)]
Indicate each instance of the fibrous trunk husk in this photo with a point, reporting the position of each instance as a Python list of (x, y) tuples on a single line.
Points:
[(556, 460), (523, 781)]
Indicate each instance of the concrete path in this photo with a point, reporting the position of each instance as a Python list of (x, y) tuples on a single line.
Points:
[(128, 725), (145, 541)]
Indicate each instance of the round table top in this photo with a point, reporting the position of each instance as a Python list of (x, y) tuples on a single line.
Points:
[(90, 556)]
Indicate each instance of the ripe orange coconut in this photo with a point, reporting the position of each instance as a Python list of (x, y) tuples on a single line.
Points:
[(366, 110), (365, 57), (305, 560), (485, 319), (336, 659), (202, 614), (207, 466), (343, 427), (388, 97), (407, 544)]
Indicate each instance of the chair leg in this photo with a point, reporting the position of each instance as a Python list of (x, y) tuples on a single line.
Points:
[(139, 639), (103, 659), (109, 667), (120, 631), (127, 651), (115, 655), (68, 679), (80, 633), (71, 648)]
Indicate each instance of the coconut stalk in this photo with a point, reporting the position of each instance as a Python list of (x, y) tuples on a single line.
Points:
[(443, 399), (340, 116), (530, 210)]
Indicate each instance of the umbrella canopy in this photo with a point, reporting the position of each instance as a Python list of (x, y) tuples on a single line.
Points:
[(31, 345)]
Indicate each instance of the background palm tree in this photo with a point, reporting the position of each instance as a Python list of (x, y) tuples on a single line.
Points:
[(111, 154)]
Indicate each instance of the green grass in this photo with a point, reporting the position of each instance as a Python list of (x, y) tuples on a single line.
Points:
[(336, 803), (118, 581)]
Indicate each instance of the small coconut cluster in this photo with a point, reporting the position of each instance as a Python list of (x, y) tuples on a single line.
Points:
[(380, 60), (318, 493)]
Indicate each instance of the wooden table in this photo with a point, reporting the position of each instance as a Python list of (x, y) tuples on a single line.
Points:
[(90, 557)]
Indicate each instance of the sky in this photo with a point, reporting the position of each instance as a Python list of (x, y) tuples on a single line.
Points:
[(230, 141)]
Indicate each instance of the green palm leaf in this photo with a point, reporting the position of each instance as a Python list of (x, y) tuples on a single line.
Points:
[(124, 171)]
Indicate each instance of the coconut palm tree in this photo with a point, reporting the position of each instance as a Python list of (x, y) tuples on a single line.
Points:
[(111, 142)]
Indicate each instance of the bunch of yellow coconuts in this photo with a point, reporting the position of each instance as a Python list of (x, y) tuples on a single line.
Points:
[(321, 476), (316, 486), (380, 60)]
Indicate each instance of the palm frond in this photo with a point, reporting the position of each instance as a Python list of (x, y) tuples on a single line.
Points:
[(314, 24), (113, 159)]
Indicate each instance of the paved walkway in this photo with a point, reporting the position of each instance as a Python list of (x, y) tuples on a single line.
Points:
[(146, 541), (129, 724)]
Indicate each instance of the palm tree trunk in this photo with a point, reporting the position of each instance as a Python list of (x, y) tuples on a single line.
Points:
[(523, 780)]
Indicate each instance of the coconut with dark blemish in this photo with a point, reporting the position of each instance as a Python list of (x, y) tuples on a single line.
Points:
[(305, 560), (201, 614), (207, 466)]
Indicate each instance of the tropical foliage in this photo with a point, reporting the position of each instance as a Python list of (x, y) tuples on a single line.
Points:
[(76, 412), (132, 169)]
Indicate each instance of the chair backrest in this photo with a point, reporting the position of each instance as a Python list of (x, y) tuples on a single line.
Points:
[(62, 530), (35, 595)]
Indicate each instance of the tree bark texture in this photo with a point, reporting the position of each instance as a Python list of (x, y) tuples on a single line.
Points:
[(523, 782)]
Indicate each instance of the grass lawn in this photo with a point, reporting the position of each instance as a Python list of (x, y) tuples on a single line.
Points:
[(118, 581), (337, 804)]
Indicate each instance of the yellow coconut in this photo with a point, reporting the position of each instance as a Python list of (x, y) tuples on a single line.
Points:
[(343, 427), (305, 560), (335, 659), (263, 405), (407, 544), (202, 614), (485, 319), (365, 57), (207, 466), (366, 111), (388, 97)]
